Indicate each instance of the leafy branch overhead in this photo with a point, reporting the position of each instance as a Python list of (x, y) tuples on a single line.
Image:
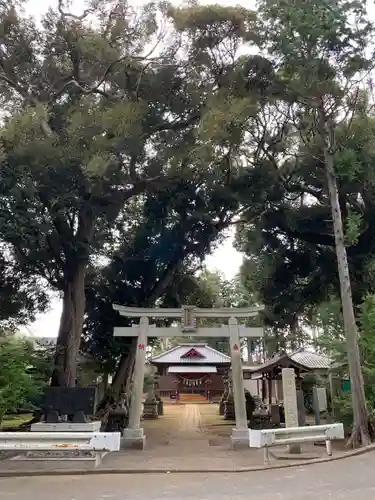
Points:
[(101, 108)]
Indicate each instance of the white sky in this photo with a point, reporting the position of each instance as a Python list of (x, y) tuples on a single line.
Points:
[(225, 258)]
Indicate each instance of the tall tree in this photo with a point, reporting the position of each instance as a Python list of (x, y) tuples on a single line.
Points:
[(320, 52), (94, 119), (154, 263)]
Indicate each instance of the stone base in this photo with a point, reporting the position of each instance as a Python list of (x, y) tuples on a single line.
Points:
[(160, 408), (240, 438), (66, 427), (294, 449), (221, 406), (61, 459), (229, 411), (150, 410), (133, 438), (282, 453)]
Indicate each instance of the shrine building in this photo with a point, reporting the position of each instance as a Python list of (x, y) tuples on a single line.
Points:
[(192, 372)]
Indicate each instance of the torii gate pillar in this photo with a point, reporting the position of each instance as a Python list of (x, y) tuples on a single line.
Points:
[(133, 435)]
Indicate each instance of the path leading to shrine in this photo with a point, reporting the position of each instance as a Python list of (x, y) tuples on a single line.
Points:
[(192, 437), (341, 480)]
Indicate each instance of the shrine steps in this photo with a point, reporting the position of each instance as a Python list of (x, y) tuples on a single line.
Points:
[(192, 398)]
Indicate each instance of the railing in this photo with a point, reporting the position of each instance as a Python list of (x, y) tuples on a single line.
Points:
[(97, 442), (266, 438)]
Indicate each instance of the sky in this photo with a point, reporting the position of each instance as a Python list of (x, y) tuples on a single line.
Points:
[(225, 258)]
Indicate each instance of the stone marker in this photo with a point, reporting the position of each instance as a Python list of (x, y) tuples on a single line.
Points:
[(290, 403), (319, 402), (77, 404)]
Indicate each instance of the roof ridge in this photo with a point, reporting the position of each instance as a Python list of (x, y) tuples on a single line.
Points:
[(165, 352), (174, 351), (216, 350)]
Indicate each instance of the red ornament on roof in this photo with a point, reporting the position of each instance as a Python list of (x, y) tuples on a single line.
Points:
[(192, 353)]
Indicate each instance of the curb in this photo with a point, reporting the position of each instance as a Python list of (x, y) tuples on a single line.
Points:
[(258, 468)]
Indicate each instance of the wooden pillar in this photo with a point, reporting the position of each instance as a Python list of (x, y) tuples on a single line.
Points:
[(269, 389), (264, 389)]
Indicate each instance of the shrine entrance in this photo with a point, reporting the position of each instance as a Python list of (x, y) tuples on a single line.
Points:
[(133, 435)]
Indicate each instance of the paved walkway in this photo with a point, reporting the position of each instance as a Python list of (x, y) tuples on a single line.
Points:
[(187, 438), (348, 479)]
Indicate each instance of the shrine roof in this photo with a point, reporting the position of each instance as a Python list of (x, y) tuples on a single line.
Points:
[(192, 354), (303, 361)]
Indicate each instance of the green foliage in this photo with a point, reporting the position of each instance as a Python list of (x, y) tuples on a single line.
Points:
[(332, 342), (21, 295), (17, 382), (301, 132), (354, 222), (155, 262), (92, 121)]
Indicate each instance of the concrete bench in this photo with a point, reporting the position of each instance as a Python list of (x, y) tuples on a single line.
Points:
[(266, 438), (98, 443)]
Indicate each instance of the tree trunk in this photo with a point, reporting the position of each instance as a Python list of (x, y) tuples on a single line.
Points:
[(70, 330), (126, 364), (124, 370), (122, 378), (361, 425)]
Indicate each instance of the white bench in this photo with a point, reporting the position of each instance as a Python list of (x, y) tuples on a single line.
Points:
[(266, 438), (99, 443)]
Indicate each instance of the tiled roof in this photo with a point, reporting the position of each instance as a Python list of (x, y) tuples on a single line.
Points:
[(312, 360), (175, 355), (303, 360)]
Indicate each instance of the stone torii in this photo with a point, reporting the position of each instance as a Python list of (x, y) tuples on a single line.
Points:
[(187, 315)]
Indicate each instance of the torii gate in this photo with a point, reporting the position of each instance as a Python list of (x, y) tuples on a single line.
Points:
[(133, 435)]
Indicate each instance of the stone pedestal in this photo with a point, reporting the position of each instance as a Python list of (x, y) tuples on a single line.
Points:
[(240, 438), (150, 409), (133, 438), (160, 407), (222, 405), (224, 397), (117, 419), (66, 427), (229, 409)]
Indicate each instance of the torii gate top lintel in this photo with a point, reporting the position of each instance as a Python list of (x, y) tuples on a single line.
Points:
[(188, 314), (217, 312)]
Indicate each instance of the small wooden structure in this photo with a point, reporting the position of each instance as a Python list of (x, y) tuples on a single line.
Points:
[(268, 374)]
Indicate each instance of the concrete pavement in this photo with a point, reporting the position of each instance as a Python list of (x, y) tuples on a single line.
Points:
[(346, 479)]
